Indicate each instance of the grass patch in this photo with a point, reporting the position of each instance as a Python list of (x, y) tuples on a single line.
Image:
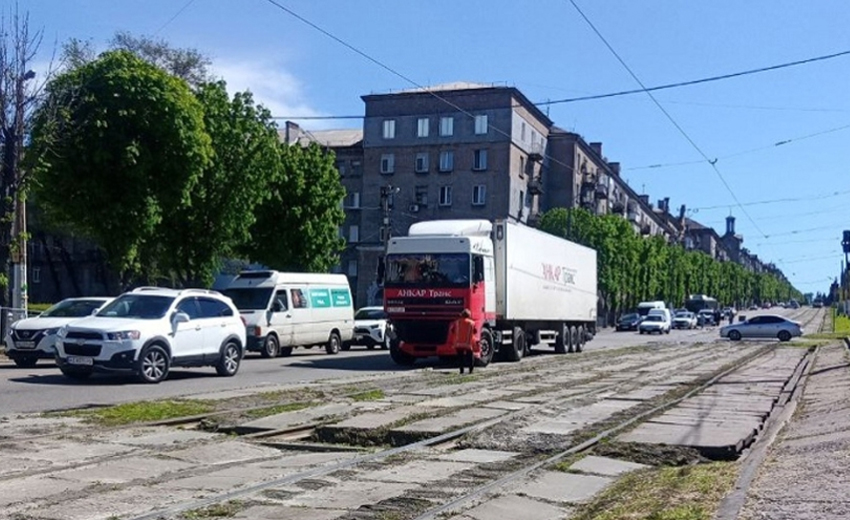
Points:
[(369, 395), (276, 409), (831, 336), (141, 412), (808, 342), (841, 325), (225, 510), (677, 493)]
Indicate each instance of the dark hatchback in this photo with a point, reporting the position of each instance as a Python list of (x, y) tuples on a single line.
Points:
[(628, 322)]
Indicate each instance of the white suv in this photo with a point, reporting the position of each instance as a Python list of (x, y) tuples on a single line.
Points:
[(149, 330)]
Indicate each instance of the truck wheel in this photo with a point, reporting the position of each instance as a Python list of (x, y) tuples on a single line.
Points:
[(579, 335), (486, 343), (576, 341), (271, 348), (517, 349), (562, 340), (401, 358), (333, 344)]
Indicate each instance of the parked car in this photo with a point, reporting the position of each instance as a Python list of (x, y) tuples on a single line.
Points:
[(706, 317), (654, 323), (684, 320), (371, 328), (764, 326), (817, 304), (31, 339), (629, 321), (148, 331)]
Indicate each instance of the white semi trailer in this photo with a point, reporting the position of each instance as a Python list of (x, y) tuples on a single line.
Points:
[(523, 287)]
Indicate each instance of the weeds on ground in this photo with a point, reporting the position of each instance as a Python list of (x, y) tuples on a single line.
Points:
[(258, 413), (668, 493), (841, 325), (369, 395), (224, 510), (140, 412)]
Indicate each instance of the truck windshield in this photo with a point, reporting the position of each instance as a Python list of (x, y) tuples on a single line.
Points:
[(253, 299), (438, 269)]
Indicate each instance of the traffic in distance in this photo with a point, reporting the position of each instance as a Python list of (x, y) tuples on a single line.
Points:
[(516, 287)]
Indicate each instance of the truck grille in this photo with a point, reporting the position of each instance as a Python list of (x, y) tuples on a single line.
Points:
[(72, 349), (428, 332)]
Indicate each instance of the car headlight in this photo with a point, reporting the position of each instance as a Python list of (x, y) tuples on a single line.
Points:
[(375, 326), (62, 332), (124, 334), (50, 332)]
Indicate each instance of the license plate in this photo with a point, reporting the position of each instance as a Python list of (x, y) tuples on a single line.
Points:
[(78, 360), (25, 344)]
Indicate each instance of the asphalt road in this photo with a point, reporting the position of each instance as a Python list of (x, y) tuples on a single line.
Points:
[(43, 388)]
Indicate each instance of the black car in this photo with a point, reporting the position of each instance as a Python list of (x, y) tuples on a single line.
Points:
[(629, 322)]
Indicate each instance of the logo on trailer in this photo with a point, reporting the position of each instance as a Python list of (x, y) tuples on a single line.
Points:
[(558, 274)]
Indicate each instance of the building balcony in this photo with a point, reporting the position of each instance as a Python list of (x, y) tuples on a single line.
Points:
[(645, 229), (633, 216), (618, 208), (601, 191), (535, 186), (536, 153)]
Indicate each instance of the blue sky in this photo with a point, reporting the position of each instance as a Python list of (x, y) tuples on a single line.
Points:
[(546, 49)]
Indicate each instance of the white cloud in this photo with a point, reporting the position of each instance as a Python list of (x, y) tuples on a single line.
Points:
[(272, 86)]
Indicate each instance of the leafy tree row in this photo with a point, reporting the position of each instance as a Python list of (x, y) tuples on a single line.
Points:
[(633, 269), (169, 178)]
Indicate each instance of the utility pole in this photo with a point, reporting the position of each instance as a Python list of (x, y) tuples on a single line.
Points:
[(845, 290), (387, 204)]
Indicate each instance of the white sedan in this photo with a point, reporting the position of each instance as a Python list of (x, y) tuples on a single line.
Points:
[(764, 326), (684, 320)]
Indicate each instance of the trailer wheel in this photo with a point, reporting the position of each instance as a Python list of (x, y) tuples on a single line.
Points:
[(486, 343), (517, 349), (562, 340), (579, 335)]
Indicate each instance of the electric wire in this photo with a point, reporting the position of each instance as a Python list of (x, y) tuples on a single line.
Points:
[(681, 130), (695, 81), (178, 13), (776, 201)]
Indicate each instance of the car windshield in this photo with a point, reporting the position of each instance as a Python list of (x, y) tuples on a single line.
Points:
[(440, 269), (140, 306), (250, 299), (683, 315), (370, 314), (72, 309), (628, 317), (654, 317)]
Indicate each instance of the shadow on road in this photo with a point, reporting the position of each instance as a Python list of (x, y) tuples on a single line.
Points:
[(104, 379)]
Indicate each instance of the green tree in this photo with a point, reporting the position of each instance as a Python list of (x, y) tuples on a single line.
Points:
[(118, 146), (220, 211)]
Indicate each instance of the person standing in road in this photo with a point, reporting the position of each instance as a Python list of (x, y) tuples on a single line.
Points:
[(462, 333)]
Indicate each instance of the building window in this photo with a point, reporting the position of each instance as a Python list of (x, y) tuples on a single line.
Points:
[(389, 129), (356, 168), (353, 200), (479, 195), (533, 138), (341, 232), (422, 195), (447, 126), (522, 132), (388, 163), (36, 275), (447, 161), (422, 163), (480, 124), (340, 166), (521, 167), (354, 234), (479, 160), (521, 201), (352, 268), (445, 195), (422, 125)]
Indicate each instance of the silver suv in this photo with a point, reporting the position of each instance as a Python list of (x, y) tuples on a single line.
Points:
[(149, 330)]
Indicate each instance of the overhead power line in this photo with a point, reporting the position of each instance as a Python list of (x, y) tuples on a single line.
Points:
[(694, 81), (178, 13), (775, 201), (681, 130)]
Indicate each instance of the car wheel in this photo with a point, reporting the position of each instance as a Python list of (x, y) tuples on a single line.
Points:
[(231, 357), (76, 373), (400, 357), (153, 364), (26, 361), (386, 343), (784, 335), (334, 343), (562, 340), (287, 351), (486, 344), (271, 347), (735, 335)]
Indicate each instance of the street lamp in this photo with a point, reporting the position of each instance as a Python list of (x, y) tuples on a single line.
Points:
[(19, 268)]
